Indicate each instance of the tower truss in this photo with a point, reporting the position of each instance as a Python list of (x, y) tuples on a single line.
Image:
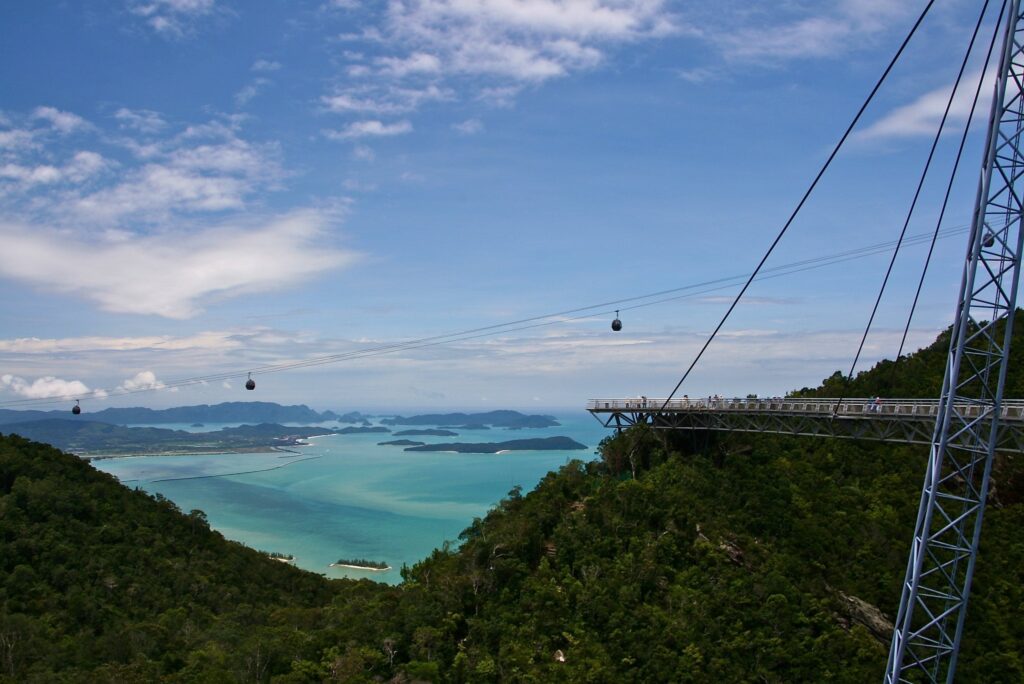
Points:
[(933, 605)]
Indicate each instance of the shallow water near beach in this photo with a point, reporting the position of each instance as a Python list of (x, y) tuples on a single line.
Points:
[(343, 496)]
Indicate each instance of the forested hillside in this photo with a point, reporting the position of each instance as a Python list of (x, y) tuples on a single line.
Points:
[(731, 559)]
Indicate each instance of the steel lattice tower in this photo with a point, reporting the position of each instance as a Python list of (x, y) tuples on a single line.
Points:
[(933, 606)]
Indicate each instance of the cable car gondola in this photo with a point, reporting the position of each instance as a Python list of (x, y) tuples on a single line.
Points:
[(76, 409), (616, 324), (250, 384)]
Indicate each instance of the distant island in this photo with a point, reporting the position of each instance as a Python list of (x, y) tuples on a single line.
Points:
[(432, 432), (360, 430), (505, 419), (353, 417), (360, 564), (469, 426), (400, 442), (540, 444), (227, 412), (84, 437)]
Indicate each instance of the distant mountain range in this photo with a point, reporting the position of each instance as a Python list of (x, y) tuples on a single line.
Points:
[(228, 412)]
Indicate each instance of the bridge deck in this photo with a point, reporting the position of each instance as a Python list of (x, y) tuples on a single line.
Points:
[(892, 420)]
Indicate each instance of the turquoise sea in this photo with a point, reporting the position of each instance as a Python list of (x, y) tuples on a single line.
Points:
[(343, 496)]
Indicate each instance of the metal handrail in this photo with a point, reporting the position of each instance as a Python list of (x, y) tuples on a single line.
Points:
[(1012, 409)]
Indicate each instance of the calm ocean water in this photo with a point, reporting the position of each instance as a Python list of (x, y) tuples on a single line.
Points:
[(345, 497)]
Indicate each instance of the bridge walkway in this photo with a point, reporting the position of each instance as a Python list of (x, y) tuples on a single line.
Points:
[(909, 421)]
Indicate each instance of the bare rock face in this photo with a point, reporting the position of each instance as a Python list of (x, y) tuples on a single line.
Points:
[(868, 615)]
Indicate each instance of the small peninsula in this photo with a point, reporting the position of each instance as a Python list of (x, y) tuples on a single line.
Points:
[(401, 442), (430, 432), (360, 564), (540, 444)]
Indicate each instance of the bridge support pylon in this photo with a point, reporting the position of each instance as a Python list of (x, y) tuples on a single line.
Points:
[(933, 605)]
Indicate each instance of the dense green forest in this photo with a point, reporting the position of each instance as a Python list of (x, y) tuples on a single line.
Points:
[(724, 559)]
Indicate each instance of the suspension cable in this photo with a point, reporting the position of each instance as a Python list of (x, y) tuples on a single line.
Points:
[(806, 195), (913, 203), (949, 188)]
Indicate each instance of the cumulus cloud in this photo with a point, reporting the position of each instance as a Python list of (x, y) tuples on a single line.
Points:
[(47, 387), (143, 380), (370, 129), (171, 275), (62, 122)]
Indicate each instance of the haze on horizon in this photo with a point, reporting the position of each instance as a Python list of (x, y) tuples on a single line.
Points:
[(192, 187)]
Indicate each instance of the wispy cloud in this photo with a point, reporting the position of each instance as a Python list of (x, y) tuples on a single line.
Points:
[(469, 126), (370, 129), (265, 65), (171, 275), (171, 17), (806, 30), (922, 116), (143, 120)]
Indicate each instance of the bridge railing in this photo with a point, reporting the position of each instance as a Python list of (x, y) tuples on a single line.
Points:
[(850, 408)]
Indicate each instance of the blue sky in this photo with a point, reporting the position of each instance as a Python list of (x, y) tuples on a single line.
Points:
[(196, 187)]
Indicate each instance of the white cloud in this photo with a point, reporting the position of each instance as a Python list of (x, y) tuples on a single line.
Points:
[(384, 99), (171, 17), (265, 65), (63, 122), (143, 380), (171, 275), (47, 387), (250, 91), (142, 120), (83, 165), (364, 129), (809, 30), (469, 126), (206, 341), (181, 176), (922, 116), (15, 139), (364, 153), (416, 63), (502, 42)]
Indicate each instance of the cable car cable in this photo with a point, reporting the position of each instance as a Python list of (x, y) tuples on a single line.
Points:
[(688, 291)]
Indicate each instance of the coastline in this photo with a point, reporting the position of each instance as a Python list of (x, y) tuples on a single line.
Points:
[(184, 452)]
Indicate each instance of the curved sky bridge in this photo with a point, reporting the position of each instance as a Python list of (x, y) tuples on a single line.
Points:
[(908, 421)]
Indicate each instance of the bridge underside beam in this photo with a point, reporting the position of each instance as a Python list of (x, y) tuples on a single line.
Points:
[(900, 430)]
